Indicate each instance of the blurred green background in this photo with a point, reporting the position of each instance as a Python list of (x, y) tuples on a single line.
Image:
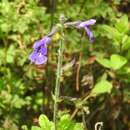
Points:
[(26, 89)]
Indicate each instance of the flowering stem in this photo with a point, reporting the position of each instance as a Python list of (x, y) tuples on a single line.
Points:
[(57, 86)]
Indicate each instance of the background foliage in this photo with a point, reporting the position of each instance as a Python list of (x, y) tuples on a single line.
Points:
[(100, 70)]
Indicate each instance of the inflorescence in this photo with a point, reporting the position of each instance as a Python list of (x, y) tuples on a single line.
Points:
[(39, 54)]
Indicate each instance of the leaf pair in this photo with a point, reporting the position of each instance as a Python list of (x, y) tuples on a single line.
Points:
[(115, 62), (44, 123), (65, 123)]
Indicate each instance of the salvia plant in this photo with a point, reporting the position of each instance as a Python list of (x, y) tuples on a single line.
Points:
[(39, 55), (92, 79)]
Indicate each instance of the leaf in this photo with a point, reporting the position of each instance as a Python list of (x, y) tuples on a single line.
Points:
[(1, 84), (101, 87), (52, 125), (78, 126), (24, 127), (44, 122), (122, 24), (113, 34), (17, 102), (104, 62), (66, 123), (35, 128), (126, 43), (117, 61), (10, 54)]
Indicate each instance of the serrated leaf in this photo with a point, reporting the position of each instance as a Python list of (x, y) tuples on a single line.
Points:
[(101, 87), (113, 34)]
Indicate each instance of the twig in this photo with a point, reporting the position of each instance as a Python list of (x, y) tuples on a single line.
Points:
[(77, 72), (74, 113), (79, 66)]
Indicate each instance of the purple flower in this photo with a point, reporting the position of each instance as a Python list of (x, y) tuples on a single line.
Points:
[(38, 56), (86, 25), (44, 41)]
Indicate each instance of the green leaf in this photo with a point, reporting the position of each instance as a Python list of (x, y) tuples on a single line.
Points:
[(35, 128), (17, 102), (78, 126), (117, 61), (10, 54), (112, 33), (24, 127), (44, 122), (126, 43), (101, 87), (104, 62), (122, 24), (1, 84), (66, 123)]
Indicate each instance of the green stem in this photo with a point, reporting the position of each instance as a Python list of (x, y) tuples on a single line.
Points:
[(57, 86), (83, 120)]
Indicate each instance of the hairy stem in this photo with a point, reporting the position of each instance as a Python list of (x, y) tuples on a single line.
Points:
[(57, 86)]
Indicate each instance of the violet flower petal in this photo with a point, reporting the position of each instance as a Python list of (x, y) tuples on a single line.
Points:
[(33, 56), (38, 58), (44, 41), (43, 50), (41, 59), (87, 23), (90, 34)]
